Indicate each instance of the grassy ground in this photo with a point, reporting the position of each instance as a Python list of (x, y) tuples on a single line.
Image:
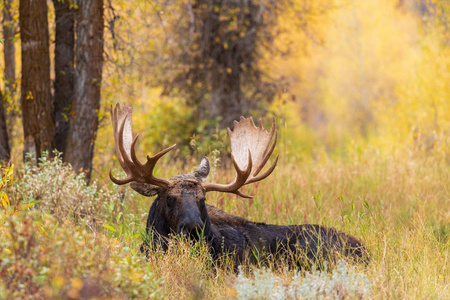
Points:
[(397, 204)]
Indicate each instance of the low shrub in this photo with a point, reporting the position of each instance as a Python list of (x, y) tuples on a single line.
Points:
[(341, 283), (65, 194)]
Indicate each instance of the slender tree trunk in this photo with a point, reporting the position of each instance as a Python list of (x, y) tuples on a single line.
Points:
[(64, 71), (9, 54), (88, 78), (5, 151), (36, 97), (8, 47)]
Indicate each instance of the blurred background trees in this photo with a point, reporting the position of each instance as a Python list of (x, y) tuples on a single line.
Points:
[(338, 74), (218, 65)]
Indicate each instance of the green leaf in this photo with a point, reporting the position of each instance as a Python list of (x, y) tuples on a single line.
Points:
[(30, 204), (366, 204), (109, 227)]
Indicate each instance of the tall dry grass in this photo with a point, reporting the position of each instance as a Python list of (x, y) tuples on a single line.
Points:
[(396, 203)]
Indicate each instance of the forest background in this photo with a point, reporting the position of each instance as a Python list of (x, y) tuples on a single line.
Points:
[(361, 93)]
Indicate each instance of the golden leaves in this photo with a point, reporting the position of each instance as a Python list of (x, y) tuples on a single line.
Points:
[(5, 181)]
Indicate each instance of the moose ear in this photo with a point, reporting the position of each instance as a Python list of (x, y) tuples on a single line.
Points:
[(203, 170), (145, 189)]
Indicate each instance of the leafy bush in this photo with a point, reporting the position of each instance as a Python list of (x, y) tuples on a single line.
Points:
[(340, 284), (65, 194), (45, 255), (43, 259)]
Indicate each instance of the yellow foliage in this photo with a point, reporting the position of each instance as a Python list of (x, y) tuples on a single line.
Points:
[(5, 181), (377, 74)]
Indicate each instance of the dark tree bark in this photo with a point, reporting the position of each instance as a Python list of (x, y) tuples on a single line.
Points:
[(226, 102), (9, 52), (226, 96), (36, 97), (9, 75), (88, 78), (8, 47), (64, 71), (5, 151)]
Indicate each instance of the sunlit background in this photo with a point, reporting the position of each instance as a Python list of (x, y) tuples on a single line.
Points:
[(366, 74), (346, 74)]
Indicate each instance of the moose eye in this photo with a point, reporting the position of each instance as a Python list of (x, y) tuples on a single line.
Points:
[(170, 201)]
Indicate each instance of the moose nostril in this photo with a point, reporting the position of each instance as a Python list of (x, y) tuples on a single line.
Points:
[(184, 231), (190, 228)]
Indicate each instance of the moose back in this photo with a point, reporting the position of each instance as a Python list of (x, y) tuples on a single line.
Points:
[(180, 206)]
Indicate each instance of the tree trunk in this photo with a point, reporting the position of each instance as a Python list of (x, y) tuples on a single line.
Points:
[(9, 52), (88, 78), (225, 104), (5, 151), (8, 47), (36, 97), (64, 71), (10, 77)]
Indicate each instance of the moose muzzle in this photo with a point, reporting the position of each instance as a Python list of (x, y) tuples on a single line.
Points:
[(190, 223)]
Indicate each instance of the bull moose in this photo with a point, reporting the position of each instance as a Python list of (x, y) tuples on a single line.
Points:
[(180, 207)]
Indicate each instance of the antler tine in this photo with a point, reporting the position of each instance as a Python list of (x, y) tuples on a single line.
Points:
[(136, 171), (121, 152), (116, 115), (149, 166), (268, 152), (265, 174), (238, 182), (119, 181)]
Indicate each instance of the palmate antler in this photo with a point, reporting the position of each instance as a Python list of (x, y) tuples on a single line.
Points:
[(250, 151), (123, 138)]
